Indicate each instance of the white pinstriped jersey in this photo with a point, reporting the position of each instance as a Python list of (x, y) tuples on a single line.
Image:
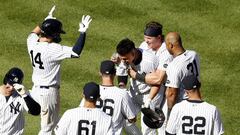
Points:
[(84, 121), (194, 117), (116, 103), (12, 114), (162, 53), (148, 64), (46, 59), (183, 65)]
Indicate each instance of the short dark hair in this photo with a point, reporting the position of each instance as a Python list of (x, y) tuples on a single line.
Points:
[(125, 46), (153, 28)]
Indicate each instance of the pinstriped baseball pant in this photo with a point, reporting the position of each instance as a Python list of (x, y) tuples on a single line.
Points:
[(48, 98)]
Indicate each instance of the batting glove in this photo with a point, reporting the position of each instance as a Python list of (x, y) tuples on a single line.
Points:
[(20, 89), (83, 26), (50, 14), (147, 103)]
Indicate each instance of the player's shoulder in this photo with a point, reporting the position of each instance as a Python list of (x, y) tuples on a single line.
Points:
[(113, 91), (144, 45), (191, 52), (210, 106)]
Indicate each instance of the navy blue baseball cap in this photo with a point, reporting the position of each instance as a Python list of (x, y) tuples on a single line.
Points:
[(107, 67), (91, 91), (191, 82)]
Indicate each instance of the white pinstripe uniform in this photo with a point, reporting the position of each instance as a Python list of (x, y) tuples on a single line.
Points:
[(194, 117), (12, 114), (139, 90), (182, 65), (46, 59), (164, 58), (116, 103), (84, 121)]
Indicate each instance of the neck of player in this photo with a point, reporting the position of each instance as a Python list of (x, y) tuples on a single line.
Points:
[(107, 81), (88, 104)]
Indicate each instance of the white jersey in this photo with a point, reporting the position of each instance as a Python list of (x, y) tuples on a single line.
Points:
[(162, 53), (84, 121), (46, 58), (182, 65), (12, 114), (194, 117), (116, 103), (148, 64)]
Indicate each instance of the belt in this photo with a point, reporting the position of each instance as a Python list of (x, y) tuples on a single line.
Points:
[(44, 87), (47, 87)]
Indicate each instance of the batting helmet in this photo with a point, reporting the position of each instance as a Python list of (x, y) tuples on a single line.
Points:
[(53, 29), (153, 119), (14, 75)]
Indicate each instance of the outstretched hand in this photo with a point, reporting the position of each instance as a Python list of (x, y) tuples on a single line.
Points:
[(83, 26)]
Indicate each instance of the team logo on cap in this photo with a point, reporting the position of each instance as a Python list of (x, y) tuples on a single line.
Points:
[(15, 79)]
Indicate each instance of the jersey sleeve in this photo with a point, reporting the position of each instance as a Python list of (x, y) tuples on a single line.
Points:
[(32, 39), (172, 124), (62, 126), (128, 108), (218, 126), (164, 59), (173, 77), (59, 52)]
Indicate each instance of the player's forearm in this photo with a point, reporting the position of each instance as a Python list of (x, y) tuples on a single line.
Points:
[(36, 30), (33, 106), (155, 78), (79, 45), (171, 96), (153, 92)]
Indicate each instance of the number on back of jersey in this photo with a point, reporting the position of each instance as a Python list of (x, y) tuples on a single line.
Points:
[(107, 105), (36, 59)]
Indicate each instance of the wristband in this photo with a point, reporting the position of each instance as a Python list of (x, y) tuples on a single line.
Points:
[(140, 77)]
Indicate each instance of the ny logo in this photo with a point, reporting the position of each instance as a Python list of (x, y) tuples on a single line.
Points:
[(15, 108)]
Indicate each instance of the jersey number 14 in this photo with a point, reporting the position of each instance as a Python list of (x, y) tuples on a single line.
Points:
[(36, 60)]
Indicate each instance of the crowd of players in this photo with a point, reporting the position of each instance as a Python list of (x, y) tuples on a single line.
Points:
[(162, 74)]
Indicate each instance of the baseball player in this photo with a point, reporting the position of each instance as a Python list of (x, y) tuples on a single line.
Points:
[(46, 55), (194, 116), (14, 101), (86, 120), (115, 101), (141, 61), (185, 63), (154, 42)]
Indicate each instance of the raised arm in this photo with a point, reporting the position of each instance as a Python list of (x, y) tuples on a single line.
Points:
[(83, 26)]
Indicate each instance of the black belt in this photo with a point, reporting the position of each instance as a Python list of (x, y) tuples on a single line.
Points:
[(44, 87)]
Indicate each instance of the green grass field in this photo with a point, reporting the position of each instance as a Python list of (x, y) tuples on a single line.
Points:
[(210, 27)]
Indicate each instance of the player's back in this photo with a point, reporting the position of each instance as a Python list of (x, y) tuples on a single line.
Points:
[(84, 121), (196, 117), (116, 103), (183, 65), (46, 58)]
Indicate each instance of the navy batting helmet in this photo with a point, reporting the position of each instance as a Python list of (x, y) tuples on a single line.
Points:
[(14, 75), (53, 29), (153, 119)]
